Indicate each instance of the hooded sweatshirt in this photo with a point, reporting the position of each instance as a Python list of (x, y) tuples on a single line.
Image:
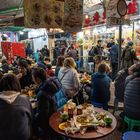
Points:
[(70, 80), (101, 87), (15, 116), (9, 96)]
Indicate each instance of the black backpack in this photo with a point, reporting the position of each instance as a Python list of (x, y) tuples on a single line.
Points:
[(91, 55)]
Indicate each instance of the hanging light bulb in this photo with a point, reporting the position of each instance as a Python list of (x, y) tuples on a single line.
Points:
[(86, 16)]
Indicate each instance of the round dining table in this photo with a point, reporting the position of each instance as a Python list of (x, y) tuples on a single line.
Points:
[(100, 132)]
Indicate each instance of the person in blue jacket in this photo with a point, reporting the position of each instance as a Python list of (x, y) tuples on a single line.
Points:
[(49, 100), (101, 87)]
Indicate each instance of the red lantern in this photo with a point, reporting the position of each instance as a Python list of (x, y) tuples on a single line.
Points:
[(96, 17), (132, 7), (87, 20)]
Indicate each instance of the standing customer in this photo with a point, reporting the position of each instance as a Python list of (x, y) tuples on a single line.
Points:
[(73, 53), (15, 110), (60, 62), (114, 60), (98, 50), (101, 87), (128, 56), (69, 77)]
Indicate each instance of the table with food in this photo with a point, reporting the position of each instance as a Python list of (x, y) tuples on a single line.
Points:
[(85, 79), (83, 121), (30, 93)]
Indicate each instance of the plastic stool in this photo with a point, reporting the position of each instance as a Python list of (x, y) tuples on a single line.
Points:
[(131, 123), (131, 136), (91, 66)]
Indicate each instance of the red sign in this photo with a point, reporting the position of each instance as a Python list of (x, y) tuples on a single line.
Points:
[(132, 7), (98, 18)]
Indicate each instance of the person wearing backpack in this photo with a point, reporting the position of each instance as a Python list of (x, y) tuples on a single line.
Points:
[(128, 56), (50, 98), (91, 55)]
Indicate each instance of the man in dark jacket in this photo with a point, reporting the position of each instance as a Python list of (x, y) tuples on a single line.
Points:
[(128, 56), (132, 96), (120, 84), (25, 76), (114, 60), (98, 50), (5, 66)]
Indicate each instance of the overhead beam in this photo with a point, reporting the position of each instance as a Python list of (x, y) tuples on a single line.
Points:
[(11, 10)]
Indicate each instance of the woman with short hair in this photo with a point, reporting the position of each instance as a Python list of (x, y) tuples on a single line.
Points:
[(15, 110)]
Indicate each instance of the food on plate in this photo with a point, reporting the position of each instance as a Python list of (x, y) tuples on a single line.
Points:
[(86, 78), (86, 118), (108, 121), (101, 116), (83, 120), (63, 125), (86, 105), (64, 116)]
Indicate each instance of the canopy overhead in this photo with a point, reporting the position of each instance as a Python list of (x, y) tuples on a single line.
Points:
[(9, 10)]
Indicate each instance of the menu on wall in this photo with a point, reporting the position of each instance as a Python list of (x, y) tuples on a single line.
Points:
[(43, 13), (73, 15)]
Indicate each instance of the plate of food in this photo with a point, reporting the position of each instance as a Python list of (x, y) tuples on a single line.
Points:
[(85, 121)]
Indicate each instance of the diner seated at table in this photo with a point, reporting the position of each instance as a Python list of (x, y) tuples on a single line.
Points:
[(25, 76), (69, 77), (15, 110), (49, 99), (101, 87), (132, 95)]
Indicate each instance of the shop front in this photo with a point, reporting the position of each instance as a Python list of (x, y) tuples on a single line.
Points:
[(95, 28)]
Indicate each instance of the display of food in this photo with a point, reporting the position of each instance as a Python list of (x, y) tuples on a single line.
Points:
[(85, 79), (29, 91), (88, 118)]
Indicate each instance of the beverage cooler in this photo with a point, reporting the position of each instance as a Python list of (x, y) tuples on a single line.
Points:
[(10, 49)]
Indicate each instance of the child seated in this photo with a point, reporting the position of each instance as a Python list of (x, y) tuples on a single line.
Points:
[(49, 70)]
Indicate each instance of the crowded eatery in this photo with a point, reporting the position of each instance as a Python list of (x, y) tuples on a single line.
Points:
[(69, 69)]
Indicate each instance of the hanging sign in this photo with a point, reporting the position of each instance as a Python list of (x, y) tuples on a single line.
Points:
[(43, 13), (73, 15), (116, 11)]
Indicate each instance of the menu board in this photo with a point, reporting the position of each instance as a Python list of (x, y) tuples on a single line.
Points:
[(43, 13), (73, 15)]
